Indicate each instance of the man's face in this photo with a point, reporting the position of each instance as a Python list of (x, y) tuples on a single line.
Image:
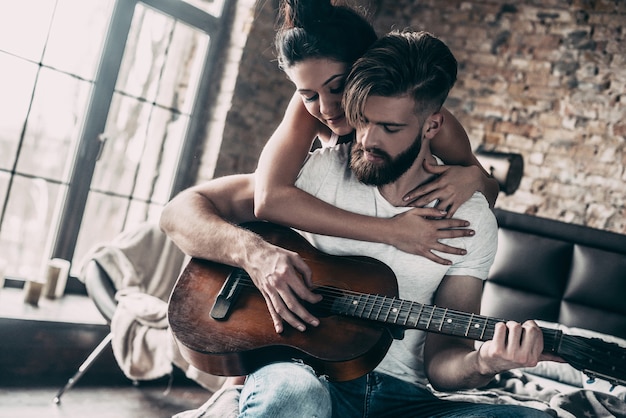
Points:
[(388, 142)]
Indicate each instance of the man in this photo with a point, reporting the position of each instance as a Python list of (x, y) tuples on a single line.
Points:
[(393, 97)]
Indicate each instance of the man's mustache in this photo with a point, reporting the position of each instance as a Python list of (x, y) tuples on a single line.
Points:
[(359, 149)]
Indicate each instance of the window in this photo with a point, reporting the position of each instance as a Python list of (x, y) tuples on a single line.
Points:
[(100, 112)]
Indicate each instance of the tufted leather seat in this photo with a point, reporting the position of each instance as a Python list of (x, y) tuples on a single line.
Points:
[(557, 272)]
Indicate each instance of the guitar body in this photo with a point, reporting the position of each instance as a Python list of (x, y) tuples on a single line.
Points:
[(341, 347)]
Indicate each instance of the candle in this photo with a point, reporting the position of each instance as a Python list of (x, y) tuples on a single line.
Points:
[(56, 274), (3, 265), (32, 291)]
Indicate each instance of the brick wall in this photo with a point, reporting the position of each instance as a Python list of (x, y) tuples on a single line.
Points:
[(546, 78)]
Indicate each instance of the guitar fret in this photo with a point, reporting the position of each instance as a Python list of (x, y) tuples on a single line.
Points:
[(361, 305), (432, 311), (388, 311), (419, 315), (354, 305), (398, 311), (469, 325), (482, 334), (443, 318), (408, 313), (380, 308), (369, 315)]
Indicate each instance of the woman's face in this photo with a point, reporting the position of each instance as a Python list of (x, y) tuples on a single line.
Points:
[(320, 83)]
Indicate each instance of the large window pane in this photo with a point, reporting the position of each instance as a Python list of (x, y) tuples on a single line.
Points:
[(145, 53), (16, 84), (179, 83), (104, 217), (24, 27), (160, 155), (210, 6), (53, 125), (24, 238), (125, 133), (76, 36)]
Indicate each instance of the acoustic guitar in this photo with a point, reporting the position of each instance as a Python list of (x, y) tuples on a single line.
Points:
[(222, 326)]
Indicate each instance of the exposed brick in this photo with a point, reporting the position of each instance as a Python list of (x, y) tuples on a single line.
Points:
[(544, 78)]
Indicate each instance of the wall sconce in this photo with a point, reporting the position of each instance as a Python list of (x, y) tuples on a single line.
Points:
[(506, 167)]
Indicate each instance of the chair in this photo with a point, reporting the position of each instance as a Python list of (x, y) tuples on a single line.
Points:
[(138, 269), (101, 290)]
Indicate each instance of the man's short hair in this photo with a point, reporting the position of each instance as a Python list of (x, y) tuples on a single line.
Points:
[(402, 63)]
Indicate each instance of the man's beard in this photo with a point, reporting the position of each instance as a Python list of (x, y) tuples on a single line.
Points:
[(389, 170)]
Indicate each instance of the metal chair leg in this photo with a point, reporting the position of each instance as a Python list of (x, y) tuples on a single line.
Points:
[(83, 367)]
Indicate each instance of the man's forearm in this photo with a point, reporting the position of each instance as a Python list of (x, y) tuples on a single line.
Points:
[(202, 221)]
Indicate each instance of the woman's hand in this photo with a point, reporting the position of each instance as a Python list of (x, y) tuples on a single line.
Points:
[(419, 231), (453, 186)]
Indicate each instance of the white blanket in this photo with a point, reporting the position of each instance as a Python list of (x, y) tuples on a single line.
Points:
[(144, 265), (519, 388)]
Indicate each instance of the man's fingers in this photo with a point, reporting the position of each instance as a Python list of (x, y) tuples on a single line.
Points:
[(276, 319), (285, 313)]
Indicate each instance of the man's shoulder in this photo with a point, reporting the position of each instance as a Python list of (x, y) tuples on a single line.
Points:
[(477, 212)]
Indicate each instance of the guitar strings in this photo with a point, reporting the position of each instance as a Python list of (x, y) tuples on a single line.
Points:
[(404, 309), (436, 315)]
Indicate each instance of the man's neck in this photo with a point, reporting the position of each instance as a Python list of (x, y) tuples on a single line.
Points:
[(413, 177)]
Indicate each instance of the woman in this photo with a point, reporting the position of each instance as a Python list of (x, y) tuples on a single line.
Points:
[(316, 45)]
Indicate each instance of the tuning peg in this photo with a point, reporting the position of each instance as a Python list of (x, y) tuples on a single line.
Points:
[(591, 380), (612, 387)]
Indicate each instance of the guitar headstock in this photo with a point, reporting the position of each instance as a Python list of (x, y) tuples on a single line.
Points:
[(595, 357)]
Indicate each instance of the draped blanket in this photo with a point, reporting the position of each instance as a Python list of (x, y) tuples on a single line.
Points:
[(520, 388), (144, 265)]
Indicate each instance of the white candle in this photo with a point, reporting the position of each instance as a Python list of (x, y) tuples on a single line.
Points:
[(57, 271), (32, 291), (3, 265)]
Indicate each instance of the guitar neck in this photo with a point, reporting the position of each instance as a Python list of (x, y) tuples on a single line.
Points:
[(408, 314)]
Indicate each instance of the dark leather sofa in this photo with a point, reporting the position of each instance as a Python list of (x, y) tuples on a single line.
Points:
[(557, 272)]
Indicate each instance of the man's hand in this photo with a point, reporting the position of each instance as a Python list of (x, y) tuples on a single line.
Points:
[(284, 279), (513, 345), (419, 231)]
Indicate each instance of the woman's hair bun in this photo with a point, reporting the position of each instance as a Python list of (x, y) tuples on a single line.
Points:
[(305, 13)]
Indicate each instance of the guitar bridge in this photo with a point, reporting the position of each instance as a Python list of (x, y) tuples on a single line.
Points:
[(227, 296)]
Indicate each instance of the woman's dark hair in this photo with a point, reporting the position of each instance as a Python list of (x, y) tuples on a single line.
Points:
[(320, 29)]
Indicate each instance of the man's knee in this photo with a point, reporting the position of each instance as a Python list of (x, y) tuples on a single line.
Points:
[(284, 387)]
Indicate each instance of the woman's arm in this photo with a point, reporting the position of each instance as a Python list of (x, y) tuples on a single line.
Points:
[(460, 177), (278, 200)]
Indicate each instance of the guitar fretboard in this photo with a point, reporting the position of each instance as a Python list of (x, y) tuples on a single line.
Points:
[(409, 314)]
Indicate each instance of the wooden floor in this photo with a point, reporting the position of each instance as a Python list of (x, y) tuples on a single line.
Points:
[(152, 400), (42, 346)]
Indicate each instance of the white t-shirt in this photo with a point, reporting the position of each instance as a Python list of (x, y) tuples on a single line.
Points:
[(327, 175)]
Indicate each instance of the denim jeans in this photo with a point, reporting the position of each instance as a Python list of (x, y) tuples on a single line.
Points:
[(293, 390)]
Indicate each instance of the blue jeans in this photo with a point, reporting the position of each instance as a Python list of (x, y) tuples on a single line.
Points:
[(293, 390)]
